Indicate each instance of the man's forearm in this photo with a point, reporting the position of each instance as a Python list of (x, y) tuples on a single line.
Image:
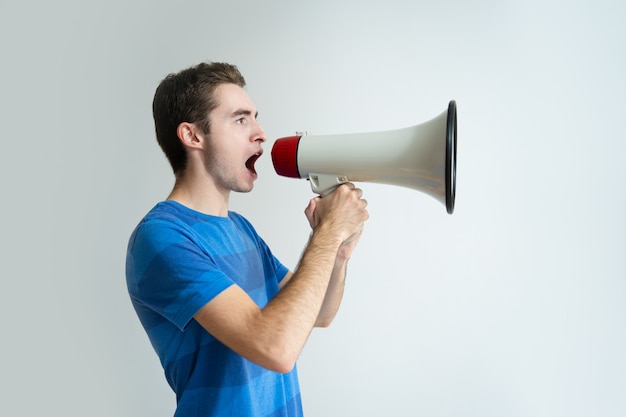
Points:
[(334, 294), (296, 308)]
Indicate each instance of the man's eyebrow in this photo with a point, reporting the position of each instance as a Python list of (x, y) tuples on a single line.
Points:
[(244, 112)]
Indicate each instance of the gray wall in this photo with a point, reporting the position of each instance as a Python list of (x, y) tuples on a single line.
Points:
[(513, 306)]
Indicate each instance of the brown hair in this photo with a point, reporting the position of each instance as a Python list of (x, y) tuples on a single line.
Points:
[(188, 96)]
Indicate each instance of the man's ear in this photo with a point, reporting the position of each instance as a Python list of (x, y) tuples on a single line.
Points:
[(189, 135)]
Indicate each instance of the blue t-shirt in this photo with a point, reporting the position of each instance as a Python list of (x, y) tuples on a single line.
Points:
[(178, 260)]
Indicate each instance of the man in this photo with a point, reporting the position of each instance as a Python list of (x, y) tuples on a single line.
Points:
[(225, 317)]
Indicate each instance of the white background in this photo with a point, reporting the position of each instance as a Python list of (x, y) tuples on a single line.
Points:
[(513, 306)]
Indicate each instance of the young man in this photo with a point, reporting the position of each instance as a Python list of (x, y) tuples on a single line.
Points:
[(225, 317)]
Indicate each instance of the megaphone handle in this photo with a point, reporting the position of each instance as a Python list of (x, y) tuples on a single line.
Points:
[(324, 184)]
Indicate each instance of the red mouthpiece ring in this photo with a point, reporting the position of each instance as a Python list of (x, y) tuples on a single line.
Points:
[(285, 156)]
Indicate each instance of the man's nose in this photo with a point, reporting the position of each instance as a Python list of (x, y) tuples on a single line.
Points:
[(259, 133)]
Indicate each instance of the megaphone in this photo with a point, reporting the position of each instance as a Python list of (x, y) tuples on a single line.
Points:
[(421, 157)]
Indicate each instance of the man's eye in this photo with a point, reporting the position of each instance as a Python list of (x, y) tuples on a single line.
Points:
[(241, 120)]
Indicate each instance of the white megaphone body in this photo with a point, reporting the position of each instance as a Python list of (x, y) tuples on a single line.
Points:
[(421, 157)]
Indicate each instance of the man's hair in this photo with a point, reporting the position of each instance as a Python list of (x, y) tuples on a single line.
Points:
[(188, 96)]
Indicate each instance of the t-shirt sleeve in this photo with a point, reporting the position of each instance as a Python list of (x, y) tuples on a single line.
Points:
[(280, 270), (173, 276)]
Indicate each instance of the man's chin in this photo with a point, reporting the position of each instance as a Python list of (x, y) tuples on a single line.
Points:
[(244, 189)]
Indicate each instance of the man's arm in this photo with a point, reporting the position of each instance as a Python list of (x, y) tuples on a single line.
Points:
[(274, 336), (334, 295), (334, 291)]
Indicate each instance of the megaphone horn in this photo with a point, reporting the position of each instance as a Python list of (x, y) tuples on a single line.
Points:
[(421, 157)]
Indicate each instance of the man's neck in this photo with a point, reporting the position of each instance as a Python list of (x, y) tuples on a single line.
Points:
[(200, 195)]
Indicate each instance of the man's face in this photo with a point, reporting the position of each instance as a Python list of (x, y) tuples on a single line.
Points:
[(234, 143)]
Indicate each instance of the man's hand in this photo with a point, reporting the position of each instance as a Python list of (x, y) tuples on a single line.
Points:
[(345, 211)]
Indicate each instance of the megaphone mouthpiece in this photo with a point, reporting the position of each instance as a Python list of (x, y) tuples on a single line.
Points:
[(285, 156)]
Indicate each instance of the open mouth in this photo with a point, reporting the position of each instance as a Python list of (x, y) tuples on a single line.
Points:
[(251, 161)]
